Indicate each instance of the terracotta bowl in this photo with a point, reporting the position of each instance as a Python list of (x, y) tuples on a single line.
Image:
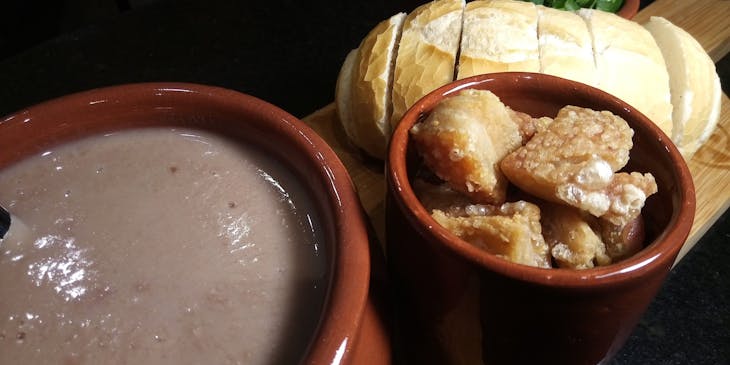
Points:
[(455, 301), (252, 121), (629, 9)]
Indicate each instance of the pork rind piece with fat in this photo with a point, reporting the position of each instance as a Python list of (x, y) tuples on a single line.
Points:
[(573, 162), (573, 242), (626, 195), (440, 197), (463, 139), (622, 241), (511, 231)]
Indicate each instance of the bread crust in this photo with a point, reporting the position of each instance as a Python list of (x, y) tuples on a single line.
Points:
[(565, 46), (426, 54), (371, 86), (714, 117), (694, 84), (343, 95), (498, 36)]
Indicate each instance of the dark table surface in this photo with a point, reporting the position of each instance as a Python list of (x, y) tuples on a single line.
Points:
[(289, 53)]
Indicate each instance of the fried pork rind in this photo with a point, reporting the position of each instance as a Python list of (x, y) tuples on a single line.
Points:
[(441, 197), (573, 162), (627, 193), (590, 212), (511, 231), (622, 241), (569, 234), (528, 125), (464, 138)]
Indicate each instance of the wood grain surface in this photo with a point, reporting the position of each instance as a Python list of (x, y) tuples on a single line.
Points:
[(706, 20)]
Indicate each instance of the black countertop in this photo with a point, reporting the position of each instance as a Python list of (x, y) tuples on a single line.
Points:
[(289, 53)]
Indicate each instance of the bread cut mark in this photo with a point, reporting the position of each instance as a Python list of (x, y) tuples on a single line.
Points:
[(540, 30), (426, 54), (693, 84), (371, 84), (457, 56), (565, 45), (391, 75), (586, 15), (630, 65), (498, 36)]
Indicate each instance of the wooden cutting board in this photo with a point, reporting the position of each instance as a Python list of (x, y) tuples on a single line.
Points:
[(706, 20)]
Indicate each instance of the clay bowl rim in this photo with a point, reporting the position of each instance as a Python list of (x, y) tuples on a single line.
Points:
[(663, 249), (346, 298), (629, 9)]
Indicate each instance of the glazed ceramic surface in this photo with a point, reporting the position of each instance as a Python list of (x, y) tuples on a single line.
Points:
[(456, 302), (244, 118), (629, 9)]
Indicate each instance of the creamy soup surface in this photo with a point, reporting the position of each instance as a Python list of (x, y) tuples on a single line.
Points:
[(158, 246)]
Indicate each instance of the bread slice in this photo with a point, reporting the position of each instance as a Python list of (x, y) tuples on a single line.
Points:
[(363, 90), (565, 46), (371, 86), (427, 53), (630, 65), (498, 35), (694, 84)]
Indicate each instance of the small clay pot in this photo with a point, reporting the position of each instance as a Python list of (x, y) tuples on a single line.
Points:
[(457, 303)]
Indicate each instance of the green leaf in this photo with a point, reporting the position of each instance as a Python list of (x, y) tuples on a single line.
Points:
[(611, 6), (571, 5), (604, 5)]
